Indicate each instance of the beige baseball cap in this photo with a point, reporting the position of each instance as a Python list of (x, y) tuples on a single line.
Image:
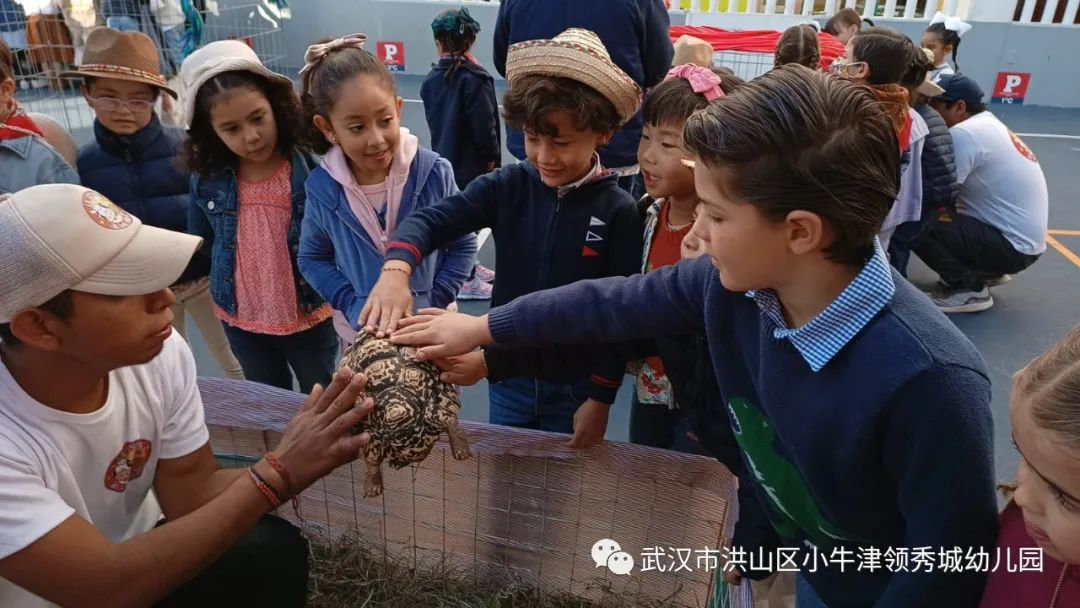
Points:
[(57, 237)]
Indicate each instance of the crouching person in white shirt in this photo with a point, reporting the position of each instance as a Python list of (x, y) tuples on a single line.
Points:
[(102, 432), (999, 227)]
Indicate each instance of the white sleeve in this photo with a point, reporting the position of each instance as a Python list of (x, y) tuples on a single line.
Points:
[(967, 153), (185, 426), (28, 509)]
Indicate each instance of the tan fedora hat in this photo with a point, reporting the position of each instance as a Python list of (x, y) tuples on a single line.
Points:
[(131, 56), (579, 55)]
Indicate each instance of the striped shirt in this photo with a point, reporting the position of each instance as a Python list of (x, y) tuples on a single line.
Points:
[(826, 334)]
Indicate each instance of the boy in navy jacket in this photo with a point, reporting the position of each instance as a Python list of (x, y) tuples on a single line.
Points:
[(860, 411), (557, 218)]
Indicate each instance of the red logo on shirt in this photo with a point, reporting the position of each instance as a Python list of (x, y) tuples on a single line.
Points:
[(128, 464), (1023, 148)]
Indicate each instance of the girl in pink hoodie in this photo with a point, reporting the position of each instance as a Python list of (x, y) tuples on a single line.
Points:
[(373, 175)]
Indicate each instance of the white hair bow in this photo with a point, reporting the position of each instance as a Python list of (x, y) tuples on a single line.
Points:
[(953, 24)]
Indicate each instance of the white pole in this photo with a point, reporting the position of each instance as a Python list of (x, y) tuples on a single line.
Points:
[(770, 7), (869, 8), (1029, 10), (830, 8), (890, 9), (909, 9), (1048, 11), (1070, 11)]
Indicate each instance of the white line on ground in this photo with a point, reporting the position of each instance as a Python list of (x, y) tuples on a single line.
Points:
[(1049, 135)]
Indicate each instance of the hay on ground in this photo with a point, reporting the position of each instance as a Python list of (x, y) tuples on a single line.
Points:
[(348, 573)]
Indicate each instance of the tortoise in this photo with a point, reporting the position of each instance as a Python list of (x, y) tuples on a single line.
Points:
[(413, 407)]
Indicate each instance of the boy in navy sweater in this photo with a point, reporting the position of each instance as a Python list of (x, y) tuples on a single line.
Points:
[(558, 218), (860, 411)]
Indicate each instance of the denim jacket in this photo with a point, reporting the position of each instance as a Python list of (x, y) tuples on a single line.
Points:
[(214, 214), (29, 161)]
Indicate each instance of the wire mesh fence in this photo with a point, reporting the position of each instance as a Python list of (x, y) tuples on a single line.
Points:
[(48, 37), (746, 65)]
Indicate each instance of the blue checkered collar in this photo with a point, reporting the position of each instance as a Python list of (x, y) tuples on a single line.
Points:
[(826, 334)]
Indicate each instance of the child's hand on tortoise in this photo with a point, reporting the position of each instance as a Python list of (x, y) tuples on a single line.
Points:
[(390, 300), (465, 370), (441, 334)]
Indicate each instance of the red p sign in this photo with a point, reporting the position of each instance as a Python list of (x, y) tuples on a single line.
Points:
[(1011, 87), (392, 54)]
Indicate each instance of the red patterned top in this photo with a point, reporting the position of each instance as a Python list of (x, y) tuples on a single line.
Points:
[(266, 301)]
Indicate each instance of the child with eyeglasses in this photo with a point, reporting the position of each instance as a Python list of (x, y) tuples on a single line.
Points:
[(133, 162)]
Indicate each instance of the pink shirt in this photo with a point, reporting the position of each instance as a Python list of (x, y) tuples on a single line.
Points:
[(266, 301)]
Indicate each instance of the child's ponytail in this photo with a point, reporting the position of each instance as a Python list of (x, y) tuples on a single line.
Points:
[(455, 31), (328, 64)]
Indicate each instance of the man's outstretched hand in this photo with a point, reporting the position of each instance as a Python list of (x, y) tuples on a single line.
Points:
[(440, 333), (319, 438)]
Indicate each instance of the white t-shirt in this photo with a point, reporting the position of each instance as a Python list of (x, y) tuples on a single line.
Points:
[(908, 204), (99, 466), (1001, 182)]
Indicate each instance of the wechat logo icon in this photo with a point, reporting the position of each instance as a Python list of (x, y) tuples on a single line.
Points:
[(607, 553)]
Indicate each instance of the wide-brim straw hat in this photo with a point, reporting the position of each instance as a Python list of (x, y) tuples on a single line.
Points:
[(130, 56), (578, 55)]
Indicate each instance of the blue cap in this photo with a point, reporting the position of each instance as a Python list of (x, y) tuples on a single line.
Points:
[(960, 88)]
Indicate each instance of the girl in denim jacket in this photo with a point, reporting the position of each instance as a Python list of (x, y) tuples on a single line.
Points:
[(248, 172)]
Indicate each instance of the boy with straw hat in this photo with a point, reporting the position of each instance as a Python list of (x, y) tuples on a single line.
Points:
[(557, 218), (132, 161)]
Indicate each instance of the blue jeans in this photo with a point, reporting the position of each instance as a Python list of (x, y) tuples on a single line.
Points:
[(310, 355), (658, 426), (805, 596), (528, 403)]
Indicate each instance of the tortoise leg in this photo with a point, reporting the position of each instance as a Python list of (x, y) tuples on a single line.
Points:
[(373, 481), (459, 446)]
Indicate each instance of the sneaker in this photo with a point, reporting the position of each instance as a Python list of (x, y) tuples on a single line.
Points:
[(962, 300), (998, 280), (483, 273), (475, 290)]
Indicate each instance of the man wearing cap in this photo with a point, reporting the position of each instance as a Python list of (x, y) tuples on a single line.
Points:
[(133, 162), (99, 406), (999, 227), (635, 33)]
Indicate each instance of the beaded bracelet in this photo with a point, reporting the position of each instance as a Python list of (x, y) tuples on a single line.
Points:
[(264, 487), (275, 464)]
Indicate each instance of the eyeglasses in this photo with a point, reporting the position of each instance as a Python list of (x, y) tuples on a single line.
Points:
[(112, 104), (840, 68)]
